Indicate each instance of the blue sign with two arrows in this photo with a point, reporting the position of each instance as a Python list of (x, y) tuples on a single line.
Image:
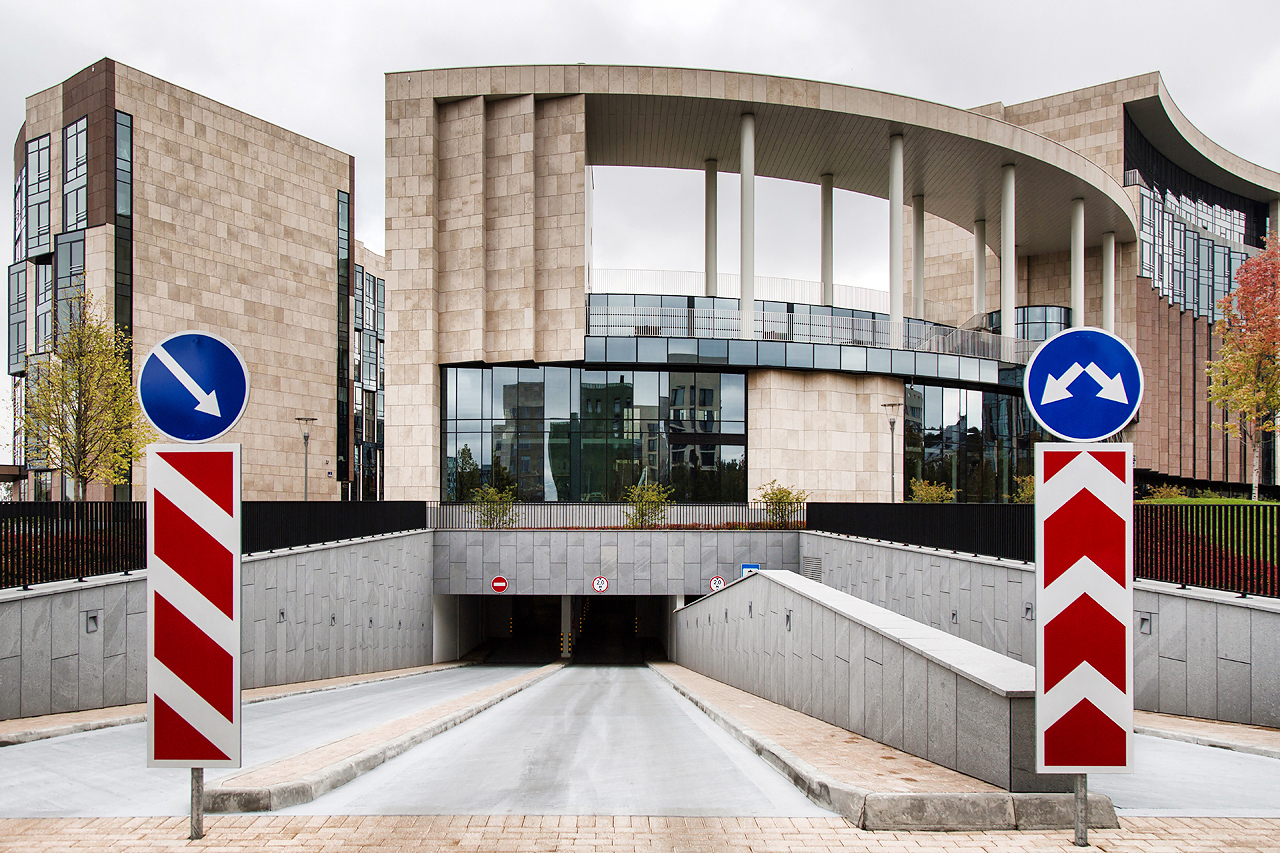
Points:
[(193, 386), (1083, 384)]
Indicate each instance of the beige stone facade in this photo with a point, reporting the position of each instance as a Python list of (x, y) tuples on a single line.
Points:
[(235, 232)]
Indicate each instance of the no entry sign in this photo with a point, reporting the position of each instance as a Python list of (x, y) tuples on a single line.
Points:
[(1084, 595), (193, 598), (499, 584)]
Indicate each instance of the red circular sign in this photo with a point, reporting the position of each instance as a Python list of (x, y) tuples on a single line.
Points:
[(600, 584), (717, 583), (499, 584)]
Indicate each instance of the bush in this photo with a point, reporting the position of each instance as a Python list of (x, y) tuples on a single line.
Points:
[(1026, 491), (923, 492), (648, 505), (1208, 495), (782, 505), (1166, 493), (493, 508)]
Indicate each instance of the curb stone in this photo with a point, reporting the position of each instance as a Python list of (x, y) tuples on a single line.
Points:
[(1202, 740), (260, 798), (904, 812)]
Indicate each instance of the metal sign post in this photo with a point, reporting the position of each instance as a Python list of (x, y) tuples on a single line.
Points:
[(1084, 385), (193, 387)]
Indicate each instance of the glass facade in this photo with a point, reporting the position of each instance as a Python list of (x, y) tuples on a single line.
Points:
[(75, 178), (43, 289), (20, 215), (344, 342), (68, 270), (1188, 266), (1034, 322), (369, 327), (572, 434), (39, 236), (975, 442), (17, 319), (124, 247)]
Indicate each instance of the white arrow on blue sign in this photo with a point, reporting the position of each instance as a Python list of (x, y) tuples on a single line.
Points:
[(1083, 384), (193, 386)]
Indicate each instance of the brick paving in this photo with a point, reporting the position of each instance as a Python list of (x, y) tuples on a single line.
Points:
[(837, 752), (305, 763), (501, 834), (53, 725)]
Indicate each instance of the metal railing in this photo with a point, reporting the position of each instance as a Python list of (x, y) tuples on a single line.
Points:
[(274, 525), (995, 530), (597, 516), (1230, 547), (42, 542), (630, 322)]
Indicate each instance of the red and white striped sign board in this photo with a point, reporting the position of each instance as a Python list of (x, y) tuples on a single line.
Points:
[(193, 605), (1084, 608)]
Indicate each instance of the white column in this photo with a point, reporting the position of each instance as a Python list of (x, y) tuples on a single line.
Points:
[(709, 234), (1109, 281), (917, 255), (747, 303), (1077, 262), (895, 229), (1008, 252), (980, 266), (828, 243)]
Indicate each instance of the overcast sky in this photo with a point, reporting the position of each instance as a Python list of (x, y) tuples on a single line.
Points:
[(317, 69)]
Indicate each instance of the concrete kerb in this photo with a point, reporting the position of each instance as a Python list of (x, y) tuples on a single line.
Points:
[(1203, 740), (30, 735), (904, 812), (218, 798)]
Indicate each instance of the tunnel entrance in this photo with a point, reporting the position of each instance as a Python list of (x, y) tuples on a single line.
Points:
[(618, 629)]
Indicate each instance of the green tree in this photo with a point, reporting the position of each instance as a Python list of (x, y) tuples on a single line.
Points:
[(1245, 377), (648, 505), (782, 504), (494, 509), (923, 492), (82, 413)]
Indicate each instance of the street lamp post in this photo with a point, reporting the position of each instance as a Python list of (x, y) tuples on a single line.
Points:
[(305, 423), (891, 409)]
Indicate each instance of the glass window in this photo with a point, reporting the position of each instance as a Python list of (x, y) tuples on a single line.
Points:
[(20, 214), (124, 164), (39, 182), (75, 180), (69, 279), (17, 319)]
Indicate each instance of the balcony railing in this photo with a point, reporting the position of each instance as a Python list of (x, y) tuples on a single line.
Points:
[(805, 328)]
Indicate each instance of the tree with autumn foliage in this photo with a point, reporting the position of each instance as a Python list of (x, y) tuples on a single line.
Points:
[(82, 413), (1245, 377)]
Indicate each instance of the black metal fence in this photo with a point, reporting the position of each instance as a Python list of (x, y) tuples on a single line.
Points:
[(272, 525), (595, 516), (42, 542), (1221, 546), (997, 530)]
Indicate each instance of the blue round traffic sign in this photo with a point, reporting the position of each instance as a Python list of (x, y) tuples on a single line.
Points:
[(1083, 384), (193, 386)]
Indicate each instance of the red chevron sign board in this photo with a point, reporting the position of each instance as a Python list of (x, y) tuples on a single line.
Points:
[(193, 612), (1084, 608)]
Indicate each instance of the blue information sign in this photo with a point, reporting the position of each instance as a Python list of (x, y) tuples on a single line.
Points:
[(193, 386), (1083, 384)]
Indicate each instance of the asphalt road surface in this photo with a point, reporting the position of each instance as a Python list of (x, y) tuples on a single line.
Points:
[(104, 773), (589, 740), (1184, 779)]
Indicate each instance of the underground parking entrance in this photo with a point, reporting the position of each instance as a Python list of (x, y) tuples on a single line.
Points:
[(576, 629)]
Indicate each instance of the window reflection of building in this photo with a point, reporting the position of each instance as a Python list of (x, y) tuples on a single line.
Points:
[(975, 442), (571, 434)]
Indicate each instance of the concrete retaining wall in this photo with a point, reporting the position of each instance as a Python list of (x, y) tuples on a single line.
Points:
[(801, 644), (347, 608), (1198, 653), (636, 562)]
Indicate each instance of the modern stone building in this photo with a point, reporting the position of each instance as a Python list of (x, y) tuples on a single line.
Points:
[(505, 356), (511, 358), (174, 212)]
